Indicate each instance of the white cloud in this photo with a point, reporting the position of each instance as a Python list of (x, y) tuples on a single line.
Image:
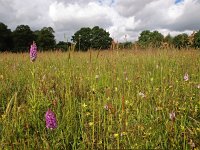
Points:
[(129, 8), (189, 18), (33, 13), (119, 17), (77, 15), (71, 17), (74, 16)]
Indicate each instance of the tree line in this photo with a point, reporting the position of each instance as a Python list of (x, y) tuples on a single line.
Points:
[(21, 38), (155, 39), (86, 38)]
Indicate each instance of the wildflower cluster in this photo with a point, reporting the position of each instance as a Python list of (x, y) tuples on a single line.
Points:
[(50, 118), (33, 52)]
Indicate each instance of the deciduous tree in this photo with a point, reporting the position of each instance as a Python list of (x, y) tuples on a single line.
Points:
[(6, 42), (150, 39), (45, 38), (22, 37), (181, 41), (197, 40), (96, 38)]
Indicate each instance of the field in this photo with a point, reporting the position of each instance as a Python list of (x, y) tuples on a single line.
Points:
[(148, 99)]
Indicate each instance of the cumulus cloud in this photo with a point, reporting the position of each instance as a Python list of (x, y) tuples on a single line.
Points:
[(189, 18), (74, 16), (17, 12), (122, 18), (68, 18), (129, 8)]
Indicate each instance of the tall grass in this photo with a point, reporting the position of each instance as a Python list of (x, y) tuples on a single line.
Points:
[(102, 100)]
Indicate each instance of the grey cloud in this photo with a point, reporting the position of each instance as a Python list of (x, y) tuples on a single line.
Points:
[(189, 20), (6, 11), (120, 17), (129, 8), (78, 23), (17, 12), (80, 2)]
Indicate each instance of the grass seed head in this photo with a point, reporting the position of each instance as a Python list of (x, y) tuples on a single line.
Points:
[(172, 116)]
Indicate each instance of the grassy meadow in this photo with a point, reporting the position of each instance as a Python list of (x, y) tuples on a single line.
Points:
[(102, 100)]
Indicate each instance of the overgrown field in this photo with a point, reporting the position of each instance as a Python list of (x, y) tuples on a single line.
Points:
[(102, 100)]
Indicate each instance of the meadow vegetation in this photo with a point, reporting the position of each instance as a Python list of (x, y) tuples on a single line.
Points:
[(133, 99)]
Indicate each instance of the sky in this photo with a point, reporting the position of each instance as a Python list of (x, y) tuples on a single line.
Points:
[(123, 19)]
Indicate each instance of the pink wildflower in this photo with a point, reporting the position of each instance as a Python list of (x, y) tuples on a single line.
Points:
[(33, 52), (186, 77), (50, 118)]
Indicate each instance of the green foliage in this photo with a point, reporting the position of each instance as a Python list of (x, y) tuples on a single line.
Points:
[(22, 37), (197, 40), (95, 38), (150, 39), (100, 38), (6, 42), (181, 41), (156, 39), (64, 46), (168, 39), (125, 45), (86, 38), (145, 39), (82, 39), (45, 38)]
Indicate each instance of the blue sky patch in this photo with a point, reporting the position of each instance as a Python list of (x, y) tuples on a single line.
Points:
[(178, 1), (109, 2)]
